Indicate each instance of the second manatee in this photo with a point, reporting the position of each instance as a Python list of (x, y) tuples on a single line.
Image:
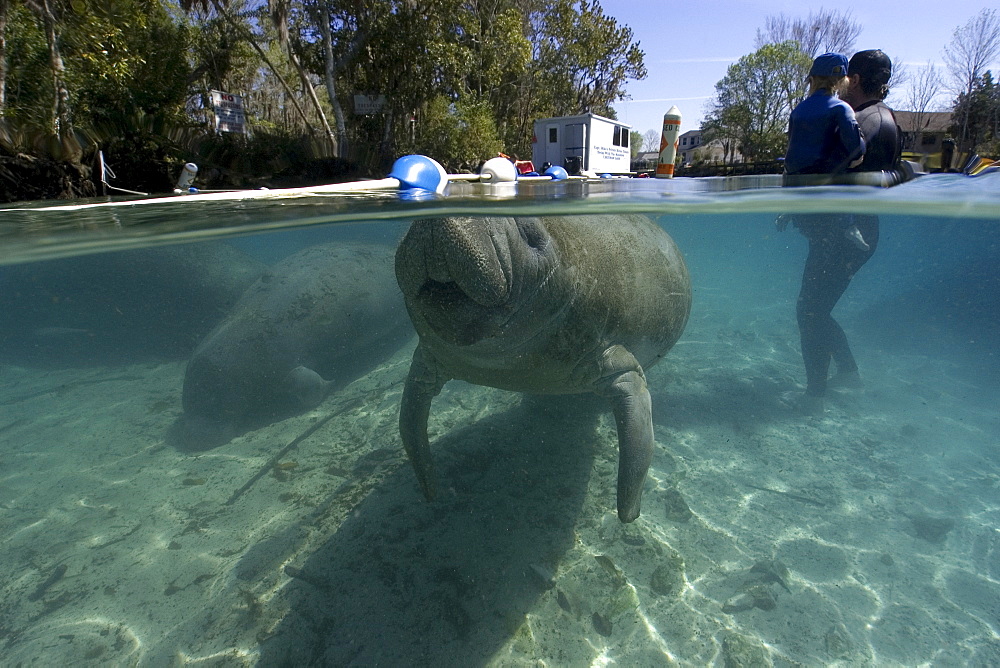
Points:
[(316, 320)]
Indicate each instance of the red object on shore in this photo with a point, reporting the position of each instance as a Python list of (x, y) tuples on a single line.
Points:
[(524, 166)]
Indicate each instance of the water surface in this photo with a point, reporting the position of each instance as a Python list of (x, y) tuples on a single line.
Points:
[(869, 535)]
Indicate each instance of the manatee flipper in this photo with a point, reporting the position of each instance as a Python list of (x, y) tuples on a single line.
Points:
[(423, 383), (633, 411), (306, 387)]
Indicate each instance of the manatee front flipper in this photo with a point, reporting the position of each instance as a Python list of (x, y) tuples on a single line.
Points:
[(422, 384), (305, 387), (633, 411)]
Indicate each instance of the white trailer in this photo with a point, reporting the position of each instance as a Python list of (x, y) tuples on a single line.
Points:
[(587, 142)]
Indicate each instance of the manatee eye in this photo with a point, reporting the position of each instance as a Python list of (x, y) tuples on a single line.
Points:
[(533, 233)]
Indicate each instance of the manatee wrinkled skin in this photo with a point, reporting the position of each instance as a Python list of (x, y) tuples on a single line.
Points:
[(556, 305), (315, 321)]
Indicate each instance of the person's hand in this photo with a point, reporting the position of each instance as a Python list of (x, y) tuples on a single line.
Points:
[(781, 222), (856, 162)]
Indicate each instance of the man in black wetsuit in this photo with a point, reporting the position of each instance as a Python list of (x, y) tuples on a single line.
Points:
[(834, 258)]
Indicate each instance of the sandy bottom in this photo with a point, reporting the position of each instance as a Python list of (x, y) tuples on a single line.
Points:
[(865, 536)]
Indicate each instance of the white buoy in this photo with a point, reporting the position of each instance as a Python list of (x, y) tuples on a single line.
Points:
[(498, 170), (186, 178), (668, 143)]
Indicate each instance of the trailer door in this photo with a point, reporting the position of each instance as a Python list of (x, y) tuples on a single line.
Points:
[(553, 145), (575, 143)]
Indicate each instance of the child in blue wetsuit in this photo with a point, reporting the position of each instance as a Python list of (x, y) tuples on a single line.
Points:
[(823, 134)]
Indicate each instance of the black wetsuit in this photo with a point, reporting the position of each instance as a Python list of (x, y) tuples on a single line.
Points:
[(834, 259)]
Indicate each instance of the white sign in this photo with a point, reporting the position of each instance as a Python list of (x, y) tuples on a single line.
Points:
[(228, 112), (368, 104)]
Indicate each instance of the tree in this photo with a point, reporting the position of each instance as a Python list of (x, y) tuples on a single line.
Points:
[(979, 114), (821, 32), (459, 135), (61, 121), (584, 57), (635, 143), (4, 13), (723, 124), (485, 69), (920, 95), (651, 140), (971, 50), (241, 26), (755, 97)]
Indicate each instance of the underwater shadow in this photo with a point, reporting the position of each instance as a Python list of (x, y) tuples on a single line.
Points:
[(685, 398), (404, 581)]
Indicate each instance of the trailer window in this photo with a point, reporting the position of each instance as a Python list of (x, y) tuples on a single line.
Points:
[(553, 135), (620, 136)]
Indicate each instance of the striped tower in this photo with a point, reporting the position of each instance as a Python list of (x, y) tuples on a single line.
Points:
[(668, 143)]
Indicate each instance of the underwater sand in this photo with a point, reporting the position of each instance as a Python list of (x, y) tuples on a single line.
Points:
[(121, 549)]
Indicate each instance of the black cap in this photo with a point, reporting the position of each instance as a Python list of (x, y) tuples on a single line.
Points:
[(872, 65)]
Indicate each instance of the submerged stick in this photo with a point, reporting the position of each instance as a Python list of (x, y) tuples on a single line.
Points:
[(278, 455), (338, 410)]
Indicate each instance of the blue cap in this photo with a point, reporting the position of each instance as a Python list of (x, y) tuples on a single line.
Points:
[(557, 173), (419, 171), (829, 65)]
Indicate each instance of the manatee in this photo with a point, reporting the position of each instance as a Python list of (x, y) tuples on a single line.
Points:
[(313, 322), (555, 305)]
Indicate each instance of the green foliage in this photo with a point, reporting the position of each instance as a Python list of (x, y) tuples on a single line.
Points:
[(458, 135), (635, 142), (978, 114), (585, 58), (753, 101), (473, 75)]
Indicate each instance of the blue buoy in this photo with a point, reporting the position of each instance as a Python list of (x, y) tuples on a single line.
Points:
[(557, 173), (419, 171)]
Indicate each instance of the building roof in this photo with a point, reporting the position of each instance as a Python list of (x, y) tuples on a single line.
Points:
[(930, 121)]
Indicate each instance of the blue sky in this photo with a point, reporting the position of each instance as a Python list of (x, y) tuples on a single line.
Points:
[(689, 45)]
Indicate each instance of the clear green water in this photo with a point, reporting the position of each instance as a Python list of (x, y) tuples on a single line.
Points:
[(868, 535)]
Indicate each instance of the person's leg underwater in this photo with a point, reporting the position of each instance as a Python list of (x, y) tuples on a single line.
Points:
[(853, 259)]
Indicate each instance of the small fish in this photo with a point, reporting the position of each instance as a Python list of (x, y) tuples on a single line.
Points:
[(609, 565), (56, 575), (563, 601), (602, 624)]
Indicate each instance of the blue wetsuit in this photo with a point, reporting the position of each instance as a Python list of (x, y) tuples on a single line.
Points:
[(823, 136)]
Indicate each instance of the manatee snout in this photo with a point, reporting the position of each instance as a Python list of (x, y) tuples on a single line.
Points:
[(452, 272), (459, 252)]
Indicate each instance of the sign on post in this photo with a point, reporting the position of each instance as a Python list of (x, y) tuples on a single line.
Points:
[(368, 104), (228, 112)]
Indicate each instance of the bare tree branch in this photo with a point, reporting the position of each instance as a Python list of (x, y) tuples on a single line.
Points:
[(820, 32)]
